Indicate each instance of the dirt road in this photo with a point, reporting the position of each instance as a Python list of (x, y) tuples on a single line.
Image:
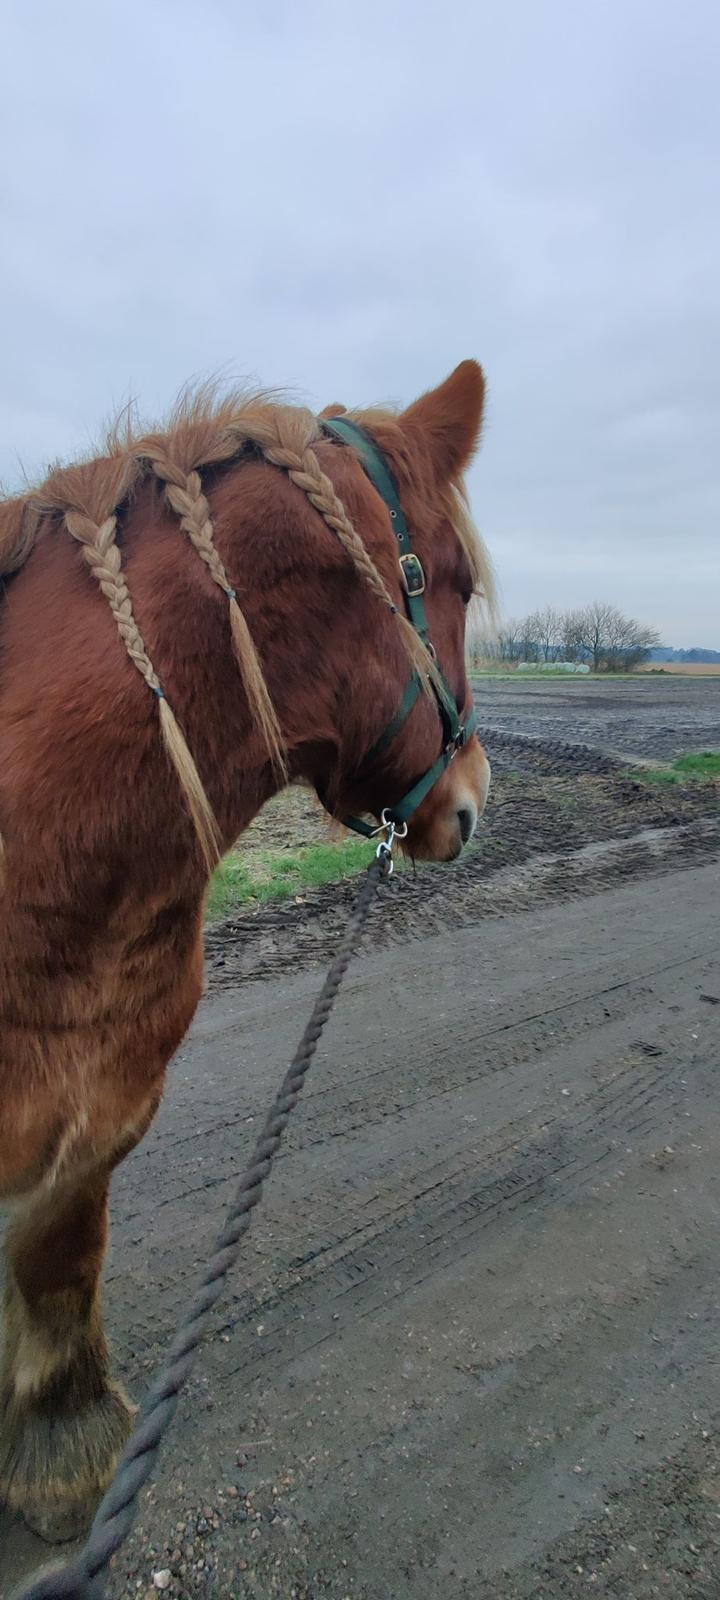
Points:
[(474, 1350)]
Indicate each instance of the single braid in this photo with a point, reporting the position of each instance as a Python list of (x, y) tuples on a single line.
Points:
[(304, 470), (184, 493), (103, 557)]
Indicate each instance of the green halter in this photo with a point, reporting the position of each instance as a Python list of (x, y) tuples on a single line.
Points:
[(455, 732)]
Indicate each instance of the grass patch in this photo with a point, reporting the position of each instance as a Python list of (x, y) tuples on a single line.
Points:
[(687, 769), (704, 765), (283, 874)]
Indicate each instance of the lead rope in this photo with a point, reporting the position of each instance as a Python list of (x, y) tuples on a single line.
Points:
[(84, 1577)]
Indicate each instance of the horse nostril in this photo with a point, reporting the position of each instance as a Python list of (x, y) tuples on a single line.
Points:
[(467, 818)]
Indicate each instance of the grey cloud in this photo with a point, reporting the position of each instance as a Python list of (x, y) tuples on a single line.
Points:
[(346, 202)]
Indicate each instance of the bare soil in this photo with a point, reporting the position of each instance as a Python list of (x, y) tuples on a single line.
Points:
[(655, 718), (472, 1351)]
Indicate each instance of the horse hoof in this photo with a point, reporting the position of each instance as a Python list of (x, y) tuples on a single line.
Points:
[(54, 1468)]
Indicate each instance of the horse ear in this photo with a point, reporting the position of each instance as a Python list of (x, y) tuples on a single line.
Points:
[(448, 420), (332, 411)]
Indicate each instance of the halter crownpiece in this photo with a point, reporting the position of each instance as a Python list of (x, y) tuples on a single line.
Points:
[(455, 731)]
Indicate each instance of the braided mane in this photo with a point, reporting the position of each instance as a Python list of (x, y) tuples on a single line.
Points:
[(203, 432)]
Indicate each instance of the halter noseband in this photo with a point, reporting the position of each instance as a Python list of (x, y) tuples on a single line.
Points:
[(455, 732)]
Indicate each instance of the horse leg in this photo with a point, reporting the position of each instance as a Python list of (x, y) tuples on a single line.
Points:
[(63, 1422)]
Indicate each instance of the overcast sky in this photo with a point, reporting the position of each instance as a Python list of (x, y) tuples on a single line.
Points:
[(346, 200)]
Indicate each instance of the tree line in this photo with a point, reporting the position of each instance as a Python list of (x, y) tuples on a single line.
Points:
[(598, 634)]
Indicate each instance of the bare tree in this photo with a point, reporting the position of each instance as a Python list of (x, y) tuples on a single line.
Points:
[(529, 639), (571, 635), (544, 628), (598, 622), (599, 633), (613, 640), (510, 640), (628, 643)]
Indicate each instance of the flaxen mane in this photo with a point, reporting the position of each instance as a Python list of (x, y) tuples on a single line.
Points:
[(205, 432)]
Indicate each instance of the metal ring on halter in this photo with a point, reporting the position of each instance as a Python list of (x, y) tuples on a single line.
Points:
[(398, 829), (392, 832)]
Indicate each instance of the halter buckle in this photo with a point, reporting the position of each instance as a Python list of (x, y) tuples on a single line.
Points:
[(413, 575)]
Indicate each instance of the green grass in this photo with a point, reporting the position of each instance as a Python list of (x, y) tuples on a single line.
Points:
[(283, 874), (704, 764)]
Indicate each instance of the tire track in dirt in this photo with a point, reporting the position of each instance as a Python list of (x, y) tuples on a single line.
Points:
[(465, 1321), (435, 1215), (368, 1082), (360, 1091)]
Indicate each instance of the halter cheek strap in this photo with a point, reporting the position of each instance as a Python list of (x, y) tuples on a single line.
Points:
[(455, 732)]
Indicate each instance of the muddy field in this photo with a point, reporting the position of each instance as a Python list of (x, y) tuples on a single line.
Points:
[(655, 718), (472, 1351)]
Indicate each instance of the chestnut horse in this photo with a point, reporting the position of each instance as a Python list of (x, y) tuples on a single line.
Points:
[(282, 653)]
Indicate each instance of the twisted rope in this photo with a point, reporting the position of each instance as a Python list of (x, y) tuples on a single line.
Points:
[(85, 1576)]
